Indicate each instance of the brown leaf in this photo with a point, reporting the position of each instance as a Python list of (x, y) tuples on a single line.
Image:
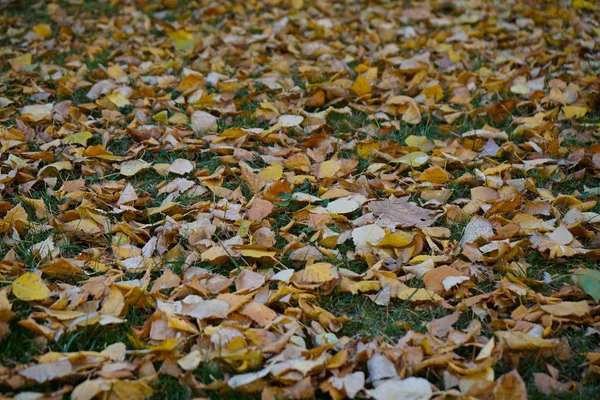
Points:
[(260, 209), (42, 373), (393, 212), (510, 386)]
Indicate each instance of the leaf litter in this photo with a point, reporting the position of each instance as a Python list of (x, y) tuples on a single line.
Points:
[(206, 181)]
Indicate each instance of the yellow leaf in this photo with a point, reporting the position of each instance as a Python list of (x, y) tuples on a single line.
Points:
[(567, 308), (182, 40), (180, 35), (316, 274), (30, 287), (364, 149), (99, 151), (131, 390), (418, 295), (582, 4), (361, 86), (130, 168), (161, 117), (78, 138), (43, 30), (233, 133), (522, 341), (434, 91), (416, 141), (453, 57), (255, 253), (244, 228), (168, 345), (328, 169), (115, 71), (179, 119), (87, 226), (271, 174), (118, 99), (215, 255), (574, 111), (396, 239), (361, 68), (182, 325), (62, 267), (23, 61), (354, 287), (414, 159), (412, 115), (435, 175)]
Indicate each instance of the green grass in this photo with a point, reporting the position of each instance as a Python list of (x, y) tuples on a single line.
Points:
[(574, 369), (27, 12), (168, 387), (21, 345), (370, 320), (344, 123)]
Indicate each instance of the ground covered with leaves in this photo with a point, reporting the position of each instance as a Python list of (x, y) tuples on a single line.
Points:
[(297, 199)]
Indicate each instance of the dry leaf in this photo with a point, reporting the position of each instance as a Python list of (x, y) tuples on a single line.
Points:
[(393, 212), (48, 371), (203, 122), (409, 389), (29, 287)]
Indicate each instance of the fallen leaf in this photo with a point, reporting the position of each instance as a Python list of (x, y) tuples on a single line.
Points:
[(510, 386), (203, 122), (344, 205), (289, 121), (366, 236), (475, 229), (398, 211), (43, 30), (30, 287), (407, 389), (260, 209), (519, 341), (37, 112), (588, 280), (130, 168), (42, 373), (567, 308), (181, 166), (415, 159), (361, 86)]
